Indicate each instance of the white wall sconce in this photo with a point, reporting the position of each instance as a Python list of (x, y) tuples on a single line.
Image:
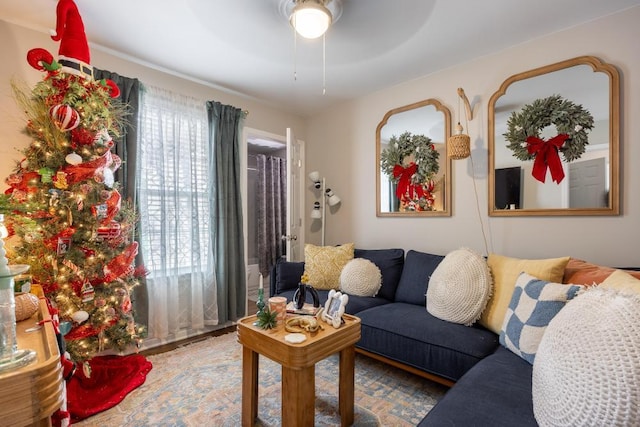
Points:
[(330, 198)]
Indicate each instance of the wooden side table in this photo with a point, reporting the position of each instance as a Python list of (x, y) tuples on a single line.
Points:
[(298, 368), (29, 395)]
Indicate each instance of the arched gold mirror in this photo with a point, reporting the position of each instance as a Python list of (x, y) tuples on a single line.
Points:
[(554, 141), (412, 168)]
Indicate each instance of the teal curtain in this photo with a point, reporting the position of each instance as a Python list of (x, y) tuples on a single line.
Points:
[(226, 209), (126, 147)]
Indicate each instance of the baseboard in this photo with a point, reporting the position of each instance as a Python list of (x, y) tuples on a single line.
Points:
[(180, 343), (411, 369)]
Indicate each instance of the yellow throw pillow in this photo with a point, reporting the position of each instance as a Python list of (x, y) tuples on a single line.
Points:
[(323, 264), (621, 281), (505, 272)]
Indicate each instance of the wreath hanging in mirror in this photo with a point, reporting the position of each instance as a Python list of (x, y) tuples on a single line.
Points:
[(572, 122), (411, 163)]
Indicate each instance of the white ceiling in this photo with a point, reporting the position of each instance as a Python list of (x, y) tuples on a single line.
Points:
[(247, 46)]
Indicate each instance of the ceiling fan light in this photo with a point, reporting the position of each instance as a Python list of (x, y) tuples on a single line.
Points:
[(310, 19)]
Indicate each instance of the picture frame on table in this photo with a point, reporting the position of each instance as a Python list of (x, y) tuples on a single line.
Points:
[(334, 308)]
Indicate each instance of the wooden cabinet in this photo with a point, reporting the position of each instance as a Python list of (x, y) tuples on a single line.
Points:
[(30, 394)]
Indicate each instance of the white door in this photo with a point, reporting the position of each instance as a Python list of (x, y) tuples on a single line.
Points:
[(587, 184), (295, 198)]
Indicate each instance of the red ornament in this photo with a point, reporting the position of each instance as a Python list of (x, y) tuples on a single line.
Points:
[(82, 136), (64, 117), (88, 252)]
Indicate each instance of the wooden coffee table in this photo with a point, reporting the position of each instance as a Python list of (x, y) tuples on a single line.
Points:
[(298, 368)]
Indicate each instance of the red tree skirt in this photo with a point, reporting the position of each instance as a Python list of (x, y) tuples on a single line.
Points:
[(112, 378)]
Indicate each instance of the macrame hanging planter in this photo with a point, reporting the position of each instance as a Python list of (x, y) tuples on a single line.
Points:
[(459, 145)]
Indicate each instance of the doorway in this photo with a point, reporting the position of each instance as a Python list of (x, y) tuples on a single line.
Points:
[(263, 152), (256, 143)]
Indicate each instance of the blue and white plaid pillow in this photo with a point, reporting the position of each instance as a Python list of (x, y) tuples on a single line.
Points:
[(533, 304)]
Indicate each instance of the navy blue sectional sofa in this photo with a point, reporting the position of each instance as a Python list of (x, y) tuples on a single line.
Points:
[(491, 385)]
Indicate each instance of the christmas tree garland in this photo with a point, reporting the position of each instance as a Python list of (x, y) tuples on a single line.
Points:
[(569, 119)]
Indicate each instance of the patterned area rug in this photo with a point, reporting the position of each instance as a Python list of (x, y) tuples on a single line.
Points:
[(201, 385)]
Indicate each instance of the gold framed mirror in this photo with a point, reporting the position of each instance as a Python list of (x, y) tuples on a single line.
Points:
[(573, 106), (412, 168)]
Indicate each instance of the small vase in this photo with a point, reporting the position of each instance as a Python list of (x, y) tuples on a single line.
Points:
[(300, 295)]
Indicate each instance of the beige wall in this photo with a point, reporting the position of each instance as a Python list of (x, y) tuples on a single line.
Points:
[(340, 144), (16, 42)]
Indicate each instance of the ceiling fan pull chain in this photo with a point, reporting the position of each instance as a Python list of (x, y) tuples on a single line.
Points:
[(295, 55), (324, 63)]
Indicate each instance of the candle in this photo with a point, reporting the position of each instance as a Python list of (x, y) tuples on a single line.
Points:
[(261, 282), (4, 262)]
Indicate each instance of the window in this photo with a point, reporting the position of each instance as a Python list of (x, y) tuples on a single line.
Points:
[(173, 184)]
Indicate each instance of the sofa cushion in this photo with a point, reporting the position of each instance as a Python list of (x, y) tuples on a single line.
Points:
[(496, 392), (505, 271), (286, 275), (622, 281), (459, 287), (587, 371), (533, 304), (407, 333), (360, 277), (323, 264), (581, 272), (390, 262), (418, 268)]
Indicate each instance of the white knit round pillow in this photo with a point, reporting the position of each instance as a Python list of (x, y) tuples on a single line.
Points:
[(459, 287), (587, 368), (360, 277)]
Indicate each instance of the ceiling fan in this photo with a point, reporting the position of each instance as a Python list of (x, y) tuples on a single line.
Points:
[(311, 18)]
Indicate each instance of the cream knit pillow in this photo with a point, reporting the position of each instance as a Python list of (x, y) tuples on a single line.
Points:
[(459, 287), (360, 277), (587, 368)]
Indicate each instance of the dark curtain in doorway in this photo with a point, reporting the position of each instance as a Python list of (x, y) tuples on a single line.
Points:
[(272, 210)]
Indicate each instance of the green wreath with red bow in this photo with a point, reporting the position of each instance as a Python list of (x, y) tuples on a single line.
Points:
[(411, 162), (572, 122)]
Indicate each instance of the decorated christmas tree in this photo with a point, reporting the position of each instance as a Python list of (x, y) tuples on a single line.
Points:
[(72, 226)]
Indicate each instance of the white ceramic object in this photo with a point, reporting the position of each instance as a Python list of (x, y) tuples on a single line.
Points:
[(295, 338)]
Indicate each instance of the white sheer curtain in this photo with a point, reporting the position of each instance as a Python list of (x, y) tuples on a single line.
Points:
[(174, 215)]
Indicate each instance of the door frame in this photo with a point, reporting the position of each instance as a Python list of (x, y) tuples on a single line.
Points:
[(247, 133)]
